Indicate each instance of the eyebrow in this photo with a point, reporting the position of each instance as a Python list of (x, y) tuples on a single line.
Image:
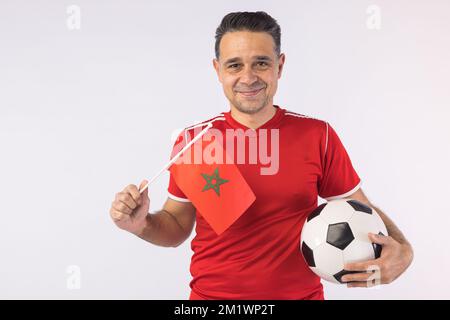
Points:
[(258, 58)]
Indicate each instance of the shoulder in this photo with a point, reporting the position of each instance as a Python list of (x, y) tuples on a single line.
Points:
[(218, 118), (183, 134), (304, 122), (298, 117)]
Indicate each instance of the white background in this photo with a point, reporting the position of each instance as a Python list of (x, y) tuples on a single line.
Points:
[(83, 113)]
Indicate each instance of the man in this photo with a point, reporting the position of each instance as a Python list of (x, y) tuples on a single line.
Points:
[(258, 256)]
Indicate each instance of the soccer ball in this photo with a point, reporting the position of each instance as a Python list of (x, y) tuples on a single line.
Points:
[(336, 233)]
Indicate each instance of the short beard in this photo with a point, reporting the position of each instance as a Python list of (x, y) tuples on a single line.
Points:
[(240, 107)]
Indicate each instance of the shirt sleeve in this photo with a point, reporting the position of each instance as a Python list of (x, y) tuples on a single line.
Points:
[(174, 192), (339, 179)]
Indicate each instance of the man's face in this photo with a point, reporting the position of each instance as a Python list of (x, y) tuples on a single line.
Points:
[(249, 69)]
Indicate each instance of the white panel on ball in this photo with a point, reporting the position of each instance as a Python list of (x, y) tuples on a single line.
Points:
[(359, 250), (362, 223), (315, 234), (329, 260), (324, 275), (336, 211)]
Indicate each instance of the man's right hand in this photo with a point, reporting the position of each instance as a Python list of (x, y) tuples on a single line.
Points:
[(130, 208)]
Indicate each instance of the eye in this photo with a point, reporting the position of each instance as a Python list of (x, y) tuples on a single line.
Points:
[(233, 66), (262, 63)]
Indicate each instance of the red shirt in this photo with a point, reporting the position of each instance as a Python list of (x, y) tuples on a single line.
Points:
[(259, 256)]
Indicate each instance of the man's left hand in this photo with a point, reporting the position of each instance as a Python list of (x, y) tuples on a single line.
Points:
[(394, 260)]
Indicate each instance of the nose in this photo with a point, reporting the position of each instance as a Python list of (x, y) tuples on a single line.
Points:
[(248, 77)]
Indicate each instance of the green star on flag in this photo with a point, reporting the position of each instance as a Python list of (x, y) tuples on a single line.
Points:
[(213, 181)]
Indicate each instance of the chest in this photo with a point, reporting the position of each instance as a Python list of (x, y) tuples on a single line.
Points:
[(285, 172)]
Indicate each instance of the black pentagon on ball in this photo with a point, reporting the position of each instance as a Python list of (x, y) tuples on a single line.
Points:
[(377, 247), (359, 206), (316, 211), (308, 254), (338, 276), (339, 235)]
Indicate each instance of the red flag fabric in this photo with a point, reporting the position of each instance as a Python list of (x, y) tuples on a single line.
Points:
[(213, 183)]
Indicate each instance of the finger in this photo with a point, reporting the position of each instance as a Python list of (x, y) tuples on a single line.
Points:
[(363, 276), (379, 239), (127, 199), (134, 192), (117, 215), (144, 184), (364, 284), (363, 266), (357, 285), (122, 207)]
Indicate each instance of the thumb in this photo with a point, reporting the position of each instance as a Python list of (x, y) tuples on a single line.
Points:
[(378, 239), (144, 194)]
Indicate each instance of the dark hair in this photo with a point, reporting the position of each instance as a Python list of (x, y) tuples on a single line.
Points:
[(249, 21)]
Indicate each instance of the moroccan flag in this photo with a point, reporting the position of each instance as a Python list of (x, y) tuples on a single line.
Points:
[(216, 188)]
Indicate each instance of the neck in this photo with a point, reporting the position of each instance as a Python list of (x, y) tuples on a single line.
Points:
[(255, 120)]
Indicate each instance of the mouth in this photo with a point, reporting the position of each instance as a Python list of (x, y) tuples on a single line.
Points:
[(250, 93)]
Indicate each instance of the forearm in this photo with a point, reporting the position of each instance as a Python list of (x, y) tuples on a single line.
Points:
[(162, 229)]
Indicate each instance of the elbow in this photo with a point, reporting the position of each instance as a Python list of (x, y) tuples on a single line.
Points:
[(410, 253), (179, 243), (183, 237)]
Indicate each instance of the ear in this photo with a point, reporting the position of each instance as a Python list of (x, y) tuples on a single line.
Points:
[(281, 60), (216, 66)]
